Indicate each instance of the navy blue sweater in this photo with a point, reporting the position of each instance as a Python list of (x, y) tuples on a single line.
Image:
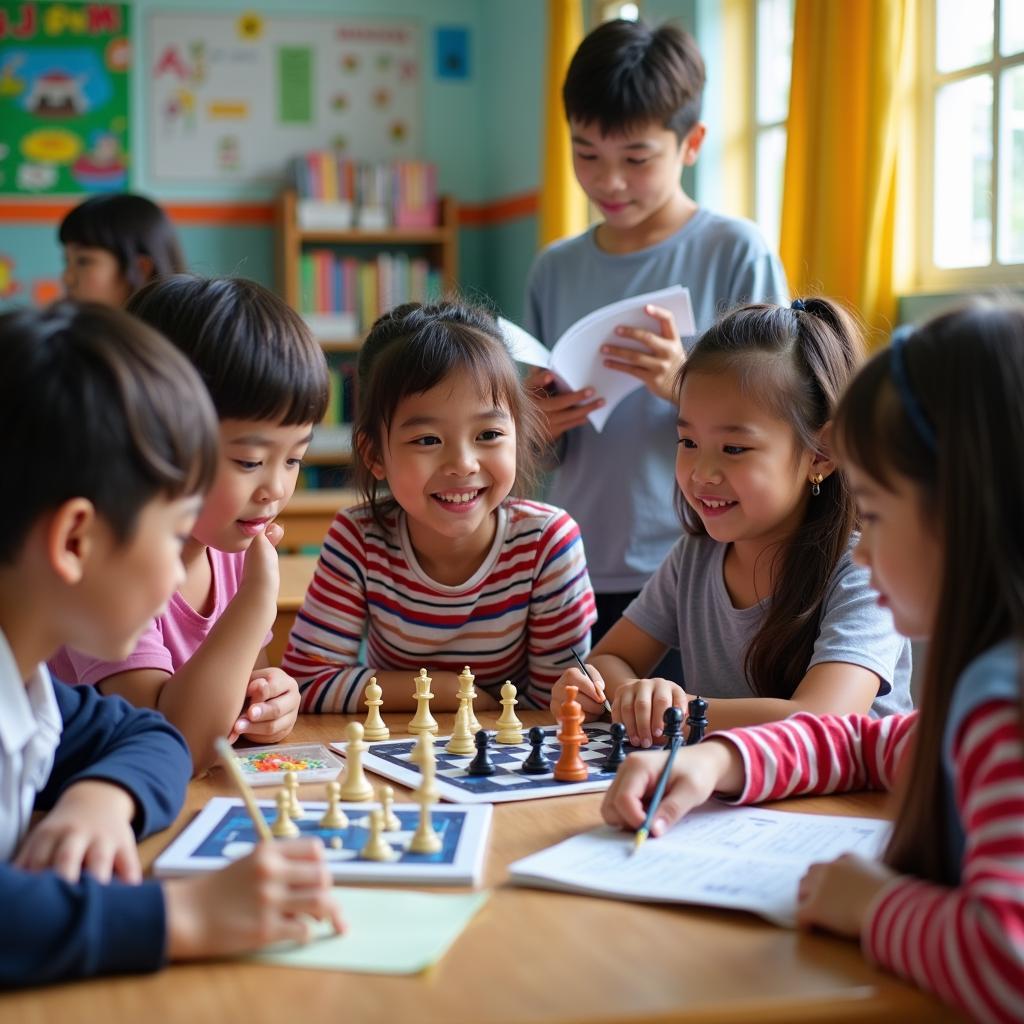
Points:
[(52, 929)]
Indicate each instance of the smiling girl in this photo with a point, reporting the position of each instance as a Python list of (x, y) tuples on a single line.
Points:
[(441, 568)]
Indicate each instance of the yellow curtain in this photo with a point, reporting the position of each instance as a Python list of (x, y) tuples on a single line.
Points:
[(851, 94), (563, 208)]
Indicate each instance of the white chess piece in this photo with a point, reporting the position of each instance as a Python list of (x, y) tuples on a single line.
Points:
[(423, 720), (423, 755), (374, 728), (377, 847), (392, 823), (284, 827), (334, 817), (510, 729), (291, 783), (355, 786), (425, 839), (461, 742), (467, 691)]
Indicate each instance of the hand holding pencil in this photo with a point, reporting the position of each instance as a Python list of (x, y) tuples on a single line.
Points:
[(590, 690)]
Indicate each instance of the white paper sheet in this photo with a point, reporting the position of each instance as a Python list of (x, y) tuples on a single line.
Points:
[(743, 858)]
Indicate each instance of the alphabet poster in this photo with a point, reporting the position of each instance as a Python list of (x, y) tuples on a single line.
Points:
[(232, 96), (64, 94)]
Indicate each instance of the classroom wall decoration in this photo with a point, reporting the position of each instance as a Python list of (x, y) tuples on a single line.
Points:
[(64, 95), (232, 96)]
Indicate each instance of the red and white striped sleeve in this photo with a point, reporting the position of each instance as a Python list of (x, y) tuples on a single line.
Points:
[(966, 944)]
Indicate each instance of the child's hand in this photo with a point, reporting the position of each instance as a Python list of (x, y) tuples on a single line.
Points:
[(559, 412), (271, 706), (697, 773), (261, 570), (89, 829), (657, 364), (266, 897), (836, 896), (591, 691), (640, 706)]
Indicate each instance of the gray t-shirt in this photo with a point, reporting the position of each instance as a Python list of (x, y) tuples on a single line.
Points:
[(618, 484), (685, 605)]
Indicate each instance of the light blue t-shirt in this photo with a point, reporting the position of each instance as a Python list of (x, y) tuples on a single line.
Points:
[(619, 484), (686, 605)]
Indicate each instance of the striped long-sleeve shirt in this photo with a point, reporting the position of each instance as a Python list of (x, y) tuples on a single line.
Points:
[(963, 943), (516, 618)]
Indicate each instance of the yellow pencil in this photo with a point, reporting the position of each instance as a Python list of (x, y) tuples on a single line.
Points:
[(227, 756)]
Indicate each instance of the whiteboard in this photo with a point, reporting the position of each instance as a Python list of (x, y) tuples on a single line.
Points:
[(230, 97)]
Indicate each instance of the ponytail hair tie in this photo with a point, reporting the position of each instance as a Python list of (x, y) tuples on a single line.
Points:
[(798, 305), (901, 378)]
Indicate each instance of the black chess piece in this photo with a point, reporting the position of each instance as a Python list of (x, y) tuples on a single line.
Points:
[(673, 720), (616, 755), (536, 763), (481, 764), (697, 721)]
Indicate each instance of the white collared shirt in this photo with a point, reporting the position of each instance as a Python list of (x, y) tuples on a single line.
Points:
[(30, 728)]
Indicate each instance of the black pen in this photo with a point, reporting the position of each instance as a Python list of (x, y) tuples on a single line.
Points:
[(583, 669)]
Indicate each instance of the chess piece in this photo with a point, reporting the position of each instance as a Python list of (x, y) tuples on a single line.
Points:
[(423, 720), (481, 764), (425, 839), (284, 827), (461, 742), (374, 728), (355, 786), (392, 823), (423, 755), (673, 725), (334, 817), (615, 754), (536, 763), (696, 720), (570, 766), (291, 783), (336, 843), (467, 693), (377, 847), (510, 729)]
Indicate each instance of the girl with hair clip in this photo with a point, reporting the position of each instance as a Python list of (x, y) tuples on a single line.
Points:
[(760, 594), (115, 244), (932, 436), (442, 567)]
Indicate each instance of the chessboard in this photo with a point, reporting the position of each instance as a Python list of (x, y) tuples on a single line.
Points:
[(391, 759), (223, 832)]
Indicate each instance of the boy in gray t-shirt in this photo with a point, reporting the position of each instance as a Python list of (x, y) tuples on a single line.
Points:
[(632, 98)]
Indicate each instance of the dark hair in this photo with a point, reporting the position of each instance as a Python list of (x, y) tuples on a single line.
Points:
[(128, 226), (794, 363), (95, 405), (625, 74), (255, 354), (965, 372), (411, 349)]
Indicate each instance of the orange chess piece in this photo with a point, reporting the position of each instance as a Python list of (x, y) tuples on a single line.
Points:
[(571, 767)]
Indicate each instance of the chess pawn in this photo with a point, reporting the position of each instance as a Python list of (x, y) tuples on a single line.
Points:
[(536, 763), (696, 720), (423, 720), (291, 783), (425, 839), (392, 823), (355, 787), (461, 742), (481, 764), (510, 729), (374, 728), (424, 756), (467, 693), (377, 847), (616, 755), (284, 827), (571, 767), (334, 817)]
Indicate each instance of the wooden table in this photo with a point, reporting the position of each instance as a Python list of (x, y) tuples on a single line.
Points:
[(309, 513), (528, 956)]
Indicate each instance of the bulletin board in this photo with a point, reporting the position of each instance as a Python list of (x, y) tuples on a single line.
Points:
[(64, 95), (232, 96)]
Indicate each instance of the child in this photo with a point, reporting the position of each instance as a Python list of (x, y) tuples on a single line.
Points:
[(108, 444), (445, 570), (932, 433), (115, 244), (632, 98), (760, 594), (200, 660)]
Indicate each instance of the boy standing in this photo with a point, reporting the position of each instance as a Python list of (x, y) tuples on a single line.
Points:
[(632, 98)]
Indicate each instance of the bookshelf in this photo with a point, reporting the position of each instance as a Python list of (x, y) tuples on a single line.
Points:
[(430, 252)]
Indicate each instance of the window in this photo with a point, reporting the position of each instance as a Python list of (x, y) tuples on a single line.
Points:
[(773, 34), (971, 217)]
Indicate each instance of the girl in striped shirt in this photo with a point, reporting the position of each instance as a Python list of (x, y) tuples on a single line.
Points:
[(932, 435), (441, 567)]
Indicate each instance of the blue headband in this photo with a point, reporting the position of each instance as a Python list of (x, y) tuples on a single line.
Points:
[(901, 379)]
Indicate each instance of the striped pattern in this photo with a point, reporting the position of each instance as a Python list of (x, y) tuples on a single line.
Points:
[(965, 944), (515, 619)]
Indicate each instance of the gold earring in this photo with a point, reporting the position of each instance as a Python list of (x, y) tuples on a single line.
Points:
[(816, 484)]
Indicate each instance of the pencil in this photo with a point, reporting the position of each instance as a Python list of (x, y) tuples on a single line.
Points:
[(231, 766), (583, 669), (644, 831)]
